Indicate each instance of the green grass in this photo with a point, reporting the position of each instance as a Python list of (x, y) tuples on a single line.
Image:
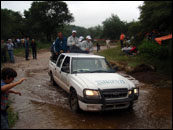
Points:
[(19, 52), (43, 45), (12, 117), (40, 45), (115, 54)]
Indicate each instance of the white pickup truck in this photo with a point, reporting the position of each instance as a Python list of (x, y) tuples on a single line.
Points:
[(92, 83)]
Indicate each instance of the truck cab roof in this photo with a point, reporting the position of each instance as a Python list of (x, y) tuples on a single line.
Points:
[(82, 55)]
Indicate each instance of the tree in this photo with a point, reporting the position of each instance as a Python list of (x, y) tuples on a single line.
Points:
[(47, 17), (10, 24), (156, 15), (113, 26), (96, 32), (67, 30)]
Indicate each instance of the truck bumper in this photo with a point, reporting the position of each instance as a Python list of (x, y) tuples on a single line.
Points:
[(102, 105)]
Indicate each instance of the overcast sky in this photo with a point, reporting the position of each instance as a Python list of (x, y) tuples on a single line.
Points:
[(89, 13)]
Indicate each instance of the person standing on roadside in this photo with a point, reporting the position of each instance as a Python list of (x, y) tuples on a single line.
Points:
[(26, 44), (122, 36), (10, 48), (23, 42), (98, 47), (3, 51), (108, 43), (34, 49)]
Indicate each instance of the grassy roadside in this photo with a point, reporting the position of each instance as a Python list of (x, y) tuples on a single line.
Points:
[(115, 54), (40, 45), (12, 117)]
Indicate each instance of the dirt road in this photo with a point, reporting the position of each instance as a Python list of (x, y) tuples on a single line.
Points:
[(43, 106)]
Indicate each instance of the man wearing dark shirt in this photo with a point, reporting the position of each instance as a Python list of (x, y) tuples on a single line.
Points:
[(34, 49), (61, 45)]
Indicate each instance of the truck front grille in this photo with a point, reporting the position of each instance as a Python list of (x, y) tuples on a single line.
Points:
[(114, 93)]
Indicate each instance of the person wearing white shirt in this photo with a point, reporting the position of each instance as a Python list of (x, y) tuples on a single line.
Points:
[(73, 42), (10, 48), (87, 45), (81, 39), (108, 43)]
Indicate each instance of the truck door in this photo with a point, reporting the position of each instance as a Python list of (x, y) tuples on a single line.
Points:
[(58, 67), (65, 72)]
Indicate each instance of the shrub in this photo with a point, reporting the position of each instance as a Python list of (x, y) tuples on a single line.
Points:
[(152, 49)]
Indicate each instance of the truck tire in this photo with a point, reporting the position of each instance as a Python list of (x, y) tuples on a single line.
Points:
[(73, 101), (52, 80)]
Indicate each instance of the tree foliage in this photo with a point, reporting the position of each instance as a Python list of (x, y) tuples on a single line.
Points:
[(96, 32), (113, 26), (47, 17), (41, 21), (156, 15), (10, 24), (67, 31), (134, 27)]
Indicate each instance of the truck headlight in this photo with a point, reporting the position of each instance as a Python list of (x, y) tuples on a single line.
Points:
[(136, 91), (130, 92), (92, 94)]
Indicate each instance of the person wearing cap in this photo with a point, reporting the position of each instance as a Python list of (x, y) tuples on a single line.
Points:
[(81, 39), (73, 42), (87, 45)]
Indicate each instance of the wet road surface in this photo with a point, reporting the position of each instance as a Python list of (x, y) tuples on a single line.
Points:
[(44, 106)]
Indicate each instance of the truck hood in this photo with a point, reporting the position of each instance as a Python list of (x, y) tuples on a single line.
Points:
[(104, 81)]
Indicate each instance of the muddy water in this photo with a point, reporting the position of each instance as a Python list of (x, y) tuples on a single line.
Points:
[(43, 106)]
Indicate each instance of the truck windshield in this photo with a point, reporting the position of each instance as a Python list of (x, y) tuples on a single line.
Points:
[(90, 65)]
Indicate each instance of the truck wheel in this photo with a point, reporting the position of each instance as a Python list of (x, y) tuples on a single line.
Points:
[(52, 79), (73, 100)]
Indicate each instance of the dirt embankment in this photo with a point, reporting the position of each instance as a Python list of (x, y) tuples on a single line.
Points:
[(145, 73)]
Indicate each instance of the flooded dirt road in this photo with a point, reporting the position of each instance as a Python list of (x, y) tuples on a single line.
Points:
[(44, 106)]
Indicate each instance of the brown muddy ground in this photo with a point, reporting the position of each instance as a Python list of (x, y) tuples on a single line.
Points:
[(44, 106)]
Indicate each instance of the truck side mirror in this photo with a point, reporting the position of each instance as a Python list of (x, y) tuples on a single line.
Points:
[(115, 68), (65, 69)]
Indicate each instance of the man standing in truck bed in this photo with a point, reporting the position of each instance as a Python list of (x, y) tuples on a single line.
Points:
[(73, 43), (87, 45), (61, 45)]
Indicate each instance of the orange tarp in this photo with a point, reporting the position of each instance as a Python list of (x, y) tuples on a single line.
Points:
[(160, 39)]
